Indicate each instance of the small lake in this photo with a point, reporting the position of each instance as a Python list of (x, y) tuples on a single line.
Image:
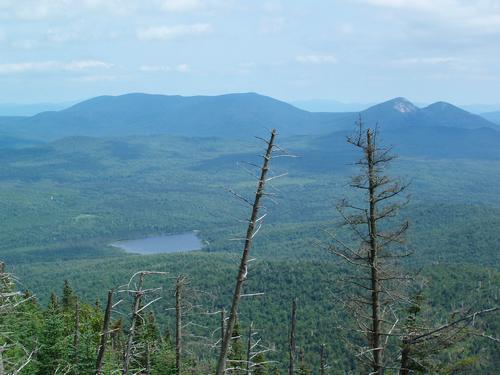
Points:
[(173, 243)]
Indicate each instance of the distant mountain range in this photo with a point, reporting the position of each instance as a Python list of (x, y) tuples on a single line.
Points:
[(327, 105), (232, 115), (492, 116), (13, 109)]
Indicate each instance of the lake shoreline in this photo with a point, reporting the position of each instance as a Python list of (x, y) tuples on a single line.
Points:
[(161, 243)]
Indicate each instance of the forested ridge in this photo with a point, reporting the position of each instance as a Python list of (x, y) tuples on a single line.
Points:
[(66, 207)]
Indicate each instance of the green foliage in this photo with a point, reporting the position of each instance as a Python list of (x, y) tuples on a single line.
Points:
[(77, 195)]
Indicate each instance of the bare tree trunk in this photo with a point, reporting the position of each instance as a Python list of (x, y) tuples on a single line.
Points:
[(373, 258), (221, 364), (405, 358), (291, 345), (249, 348), (322, 365), (178, 324), (135, 314), (222, 325), (104, 334)]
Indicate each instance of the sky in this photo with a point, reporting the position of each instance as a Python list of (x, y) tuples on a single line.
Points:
[(347, 50)]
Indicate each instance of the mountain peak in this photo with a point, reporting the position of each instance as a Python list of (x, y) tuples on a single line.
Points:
[(443, 106), (403, 105)]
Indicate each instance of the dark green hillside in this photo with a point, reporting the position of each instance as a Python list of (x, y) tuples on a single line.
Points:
[(62, 203), (74, 196), (313, 282)]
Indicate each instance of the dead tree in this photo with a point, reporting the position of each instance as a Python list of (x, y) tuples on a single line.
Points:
[(104, 333), (222, 325), (423, 340), (249, 349), (378, 287), (135, 315), (14, 355), (179, 286), (322, 363), (138, 292), (253, 227), (292, 348)]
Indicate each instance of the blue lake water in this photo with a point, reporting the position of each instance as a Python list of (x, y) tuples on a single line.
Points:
[(173, 243)]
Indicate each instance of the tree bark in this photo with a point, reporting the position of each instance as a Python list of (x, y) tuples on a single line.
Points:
[(322, 364), (405, 358), (375, 287), (222, 325), (135, 314), (104, 334), (221, 364), (178, 324), (249, 349)]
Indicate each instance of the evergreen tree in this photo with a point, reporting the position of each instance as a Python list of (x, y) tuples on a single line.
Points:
[(261, 367), (54, 344), (237, 354), (68, 298)]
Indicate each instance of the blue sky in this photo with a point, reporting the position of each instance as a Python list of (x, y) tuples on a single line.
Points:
[(349, 50)]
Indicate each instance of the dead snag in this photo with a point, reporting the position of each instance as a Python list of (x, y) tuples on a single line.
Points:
[(376, 287), (179, 286), (249, 349), (135, 315), (242, 272), (322, 363), (222, 325), (104, 334)]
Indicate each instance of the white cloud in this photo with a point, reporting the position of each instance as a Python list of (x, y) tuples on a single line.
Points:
[(182, 68), (45, 66), (316, 59), (95, 78), (422, 5), (428, 61), (181, 5), (26, 67), (477, 16), (155, 68), (86, 64), (173, 32), (35, 10)]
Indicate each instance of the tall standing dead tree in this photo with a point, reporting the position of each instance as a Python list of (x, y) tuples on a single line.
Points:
[(377, 286), (11, 359), (322, 360), (253, 228), (138, 292), (179, 287), (104, 334)]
